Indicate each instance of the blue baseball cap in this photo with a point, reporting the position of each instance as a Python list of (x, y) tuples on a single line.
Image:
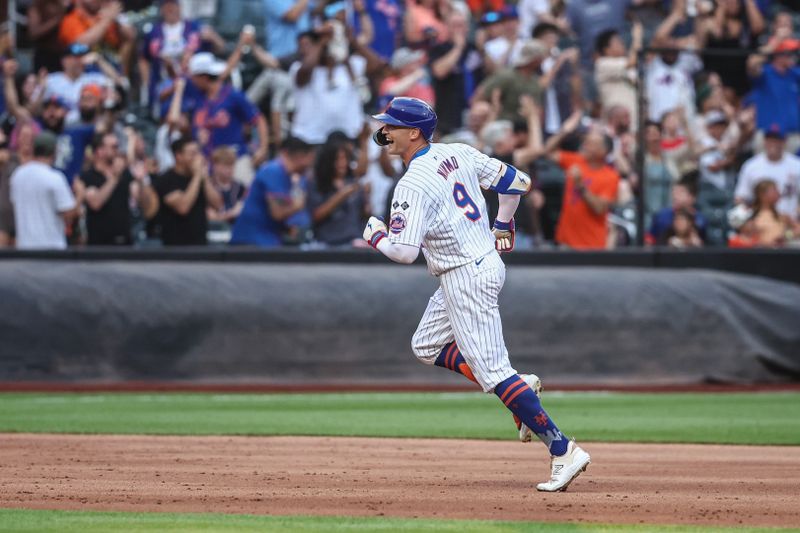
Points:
[(775, 131), (77, 49)]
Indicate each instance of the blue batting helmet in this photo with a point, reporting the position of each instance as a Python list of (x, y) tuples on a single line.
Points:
[(411, 113)]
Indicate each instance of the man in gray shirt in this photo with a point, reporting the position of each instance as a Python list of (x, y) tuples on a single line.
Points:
[(43, 202)]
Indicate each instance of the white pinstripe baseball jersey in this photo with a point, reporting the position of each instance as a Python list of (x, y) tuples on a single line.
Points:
[(438, 205)]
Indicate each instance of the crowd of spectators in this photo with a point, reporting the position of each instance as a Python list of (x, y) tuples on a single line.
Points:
[(195, 122)]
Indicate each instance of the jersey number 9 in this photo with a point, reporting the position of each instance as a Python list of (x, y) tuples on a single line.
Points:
[(463, 201)]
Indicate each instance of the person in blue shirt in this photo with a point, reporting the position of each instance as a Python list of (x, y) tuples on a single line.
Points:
[(275, 209), (285, 21), (776, 88), (221, 118)]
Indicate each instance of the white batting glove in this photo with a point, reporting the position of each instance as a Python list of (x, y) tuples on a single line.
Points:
[(504, 236), (375, 231)]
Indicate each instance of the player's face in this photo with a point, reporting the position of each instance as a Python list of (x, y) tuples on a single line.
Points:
[(399, 137)]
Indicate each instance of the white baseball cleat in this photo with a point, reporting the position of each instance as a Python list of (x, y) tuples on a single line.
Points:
[(565, 468), (533, 381)]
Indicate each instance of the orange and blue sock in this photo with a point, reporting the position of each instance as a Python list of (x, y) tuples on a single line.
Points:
[(451, 358), (523, 402)]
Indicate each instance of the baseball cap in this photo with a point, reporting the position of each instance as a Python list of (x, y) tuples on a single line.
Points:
[(491, 17), (405, 56), (55, 99), (715, 117), (205, 63), (509, 12), (775, 131), (93, 89), (77, 49), (331, 10), (532, 49), (787, 45)]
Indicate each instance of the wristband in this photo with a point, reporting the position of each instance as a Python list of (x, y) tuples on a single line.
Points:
[(504, 226), (376, 238)]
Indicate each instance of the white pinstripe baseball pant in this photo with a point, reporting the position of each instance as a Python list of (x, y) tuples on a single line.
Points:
[(465, 308)]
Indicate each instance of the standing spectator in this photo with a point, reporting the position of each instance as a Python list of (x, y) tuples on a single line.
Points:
[(337, 201), (777, 165), (278, 195), (108, 194), (276, 83), (717, 158), (678, 143), (387, 22), (43, 202), (455, 65), (232, 192), (560, 80), (590, 189), (424, 22), (503, 42), (183, 194), (17, 151), (659, 172), (683, 199), (327, 74), (668, 76), (614, 70), (735, 26), (408, 77), (221, 117), (67, 84), (171, 40), (285, 21), (776, 87), (505, 88), (589, 18), (95, 23), (72, 139), (682, 233), (44, 20), (531, 14)]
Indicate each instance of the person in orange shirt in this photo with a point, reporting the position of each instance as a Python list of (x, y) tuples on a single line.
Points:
[(94, 23), (590, 189)]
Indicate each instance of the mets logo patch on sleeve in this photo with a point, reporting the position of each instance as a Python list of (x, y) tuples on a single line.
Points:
[(397, 223)]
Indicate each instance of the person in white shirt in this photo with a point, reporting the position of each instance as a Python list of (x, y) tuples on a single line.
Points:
[(772, 164), (43, 202), (328, 86), (68, 84)]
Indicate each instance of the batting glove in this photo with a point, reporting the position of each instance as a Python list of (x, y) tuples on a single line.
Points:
[(504, 236), (375, 231)]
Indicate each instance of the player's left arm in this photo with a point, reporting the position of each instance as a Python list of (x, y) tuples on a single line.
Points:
[(510, 183)]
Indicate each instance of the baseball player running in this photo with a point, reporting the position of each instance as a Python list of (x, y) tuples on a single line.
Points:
[(438, 206)]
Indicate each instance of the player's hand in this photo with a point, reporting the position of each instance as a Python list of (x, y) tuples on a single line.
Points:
[(504, 236), (375, 231)]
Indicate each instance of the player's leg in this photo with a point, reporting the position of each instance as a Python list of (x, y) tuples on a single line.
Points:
[(433, 342), (471, 300)]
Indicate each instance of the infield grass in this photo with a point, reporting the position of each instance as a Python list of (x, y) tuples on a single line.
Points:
[(739, 418), (22, 520)]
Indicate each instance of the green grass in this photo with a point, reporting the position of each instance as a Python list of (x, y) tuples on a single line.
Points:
[(22, 520), (754, 418)]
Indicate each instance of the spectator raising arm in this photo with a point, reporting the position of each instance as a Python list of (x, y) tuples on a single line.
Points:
[(19, 112), (443, 66), (181, 201), (296, 11)]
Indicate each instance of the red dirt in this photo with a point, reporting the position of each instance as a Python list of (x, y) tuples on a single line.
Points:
[(626, 483), (256, 387)]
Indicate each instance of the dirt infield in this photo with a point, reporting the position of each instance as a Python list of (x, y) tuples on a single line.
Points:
[(626, 483)]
